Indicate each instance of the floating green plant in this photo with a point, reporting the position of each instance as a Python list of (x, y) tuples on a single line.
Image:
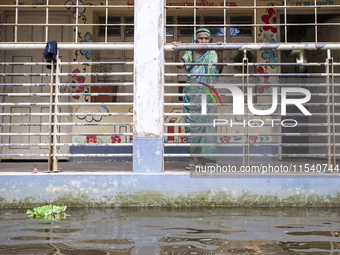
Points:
[(48, 213)]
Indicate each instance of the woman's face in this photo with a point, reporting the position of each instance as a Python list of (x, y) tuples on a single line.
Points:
[(203, 38)]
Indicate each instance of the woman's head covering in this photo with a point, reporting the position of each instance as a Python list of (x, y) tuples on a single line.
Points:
[(202, 30)]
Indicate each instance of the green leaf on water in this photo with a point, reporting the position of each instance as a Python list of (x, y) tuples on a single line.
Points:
[(48, 213)]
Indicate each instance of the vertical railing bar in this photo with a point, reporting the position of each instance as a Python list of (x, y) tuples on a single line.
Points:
[(2, 89), (286, 40), (47, 17), (255, 21), (285, 17), (315, 21), (122, 39), (195, 25), (56, 111), (333, 114), (16, 21), (164, 20), (77, 13), (224, 21), (246, 115), (50, 120), (248, 142), (106, 19), (279, 110), (328, 108)]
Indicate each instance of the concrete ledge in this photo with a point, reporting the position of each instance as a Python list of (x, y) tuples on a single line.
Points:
[(102, 189), (101, 150)]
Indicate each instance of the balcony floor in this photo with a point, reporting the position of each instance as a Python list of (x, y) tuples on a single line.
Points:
[(64, 166)]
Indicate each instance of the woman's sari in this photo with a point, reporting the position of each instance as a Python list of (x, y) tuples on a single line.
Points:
[(196, 87)]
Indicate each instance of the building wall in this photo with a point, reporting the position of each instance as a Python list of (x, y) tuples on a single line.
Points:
[(84, 32)]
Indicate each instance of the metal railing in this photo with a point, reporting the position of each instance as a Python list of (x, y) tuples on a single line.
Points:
[(279, 17), (61, 114), (84, 17), (315, 136), (42, 116), (70, 15)]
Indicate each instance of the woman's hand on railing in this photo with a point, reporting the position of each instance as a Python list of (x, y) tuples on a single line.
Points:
[(176, 53)]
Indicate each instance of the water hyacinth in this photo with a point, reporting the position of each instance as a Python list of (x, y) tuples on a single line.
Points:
[(48, 212)]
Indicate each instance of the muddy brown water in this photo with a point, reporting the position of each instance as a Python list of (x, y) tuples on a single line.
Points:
[(180, 231)]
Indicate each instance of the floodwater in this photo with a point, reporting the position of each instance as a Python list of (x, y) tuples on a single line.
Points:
[(180, 231)]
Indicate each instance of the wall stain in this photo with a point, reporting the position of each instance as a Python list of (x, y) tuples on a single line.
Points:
[(207, 198)]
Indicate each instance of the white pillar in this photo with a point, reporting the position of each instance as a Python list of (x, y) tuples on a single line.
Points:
[(148, 86)]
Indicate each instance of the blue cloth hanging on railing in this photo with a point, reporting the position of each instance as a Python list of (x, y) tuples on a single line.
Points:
[(50, 52)]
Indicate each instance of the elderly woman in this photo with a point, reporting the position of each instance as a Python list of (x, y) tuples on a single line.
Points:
[(196, 87)]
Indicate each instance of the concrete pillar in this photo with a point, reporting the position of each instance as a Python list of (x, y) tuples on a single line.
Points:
[(148, 86)]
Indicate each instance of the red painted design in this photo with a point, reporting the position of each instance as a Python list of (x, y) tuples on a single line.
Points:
[(270, 19), (262, 80), (91, 139), (225, 139), (77, 79), (252, 139), (171, 130), (116, 139), (183, 139)]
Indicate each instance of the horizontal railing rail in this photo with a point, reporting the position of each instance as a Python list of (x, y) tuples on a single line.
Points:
[(238, 138), (64, 114)]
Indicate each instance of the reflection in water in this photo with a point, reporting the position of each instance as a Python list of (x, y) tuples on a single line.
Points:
[(200, 231), (33, 238), (286, 227), (315, 233), (183, 250), (207, 241), (53, 230), (58, 249), (107, 241), (249, 247), (180, 231), (319, 245), (226, 246)]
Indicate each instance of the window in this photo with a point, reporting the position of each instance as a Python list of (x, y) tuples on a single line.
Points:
[(129, 30), (187, 30), (215, 20), (111, 30), (169, 30), (116, 30), (240, 30), (301, 27)]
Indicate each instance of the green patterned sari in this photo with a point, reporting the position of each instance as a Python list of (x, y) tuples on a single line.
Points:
[(196, 87)]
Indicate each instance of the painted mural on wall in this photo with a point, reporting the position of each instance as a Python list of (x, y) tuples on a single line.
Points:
[(179, 4), (178, 131), (35, 2), (311, 3), (79, 77), (269, 29), (119, 133), (248, 138), (73, 9), (200, 3), (87, 38), (103, 139), (79, 88), (267, 34), (180, 137)]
